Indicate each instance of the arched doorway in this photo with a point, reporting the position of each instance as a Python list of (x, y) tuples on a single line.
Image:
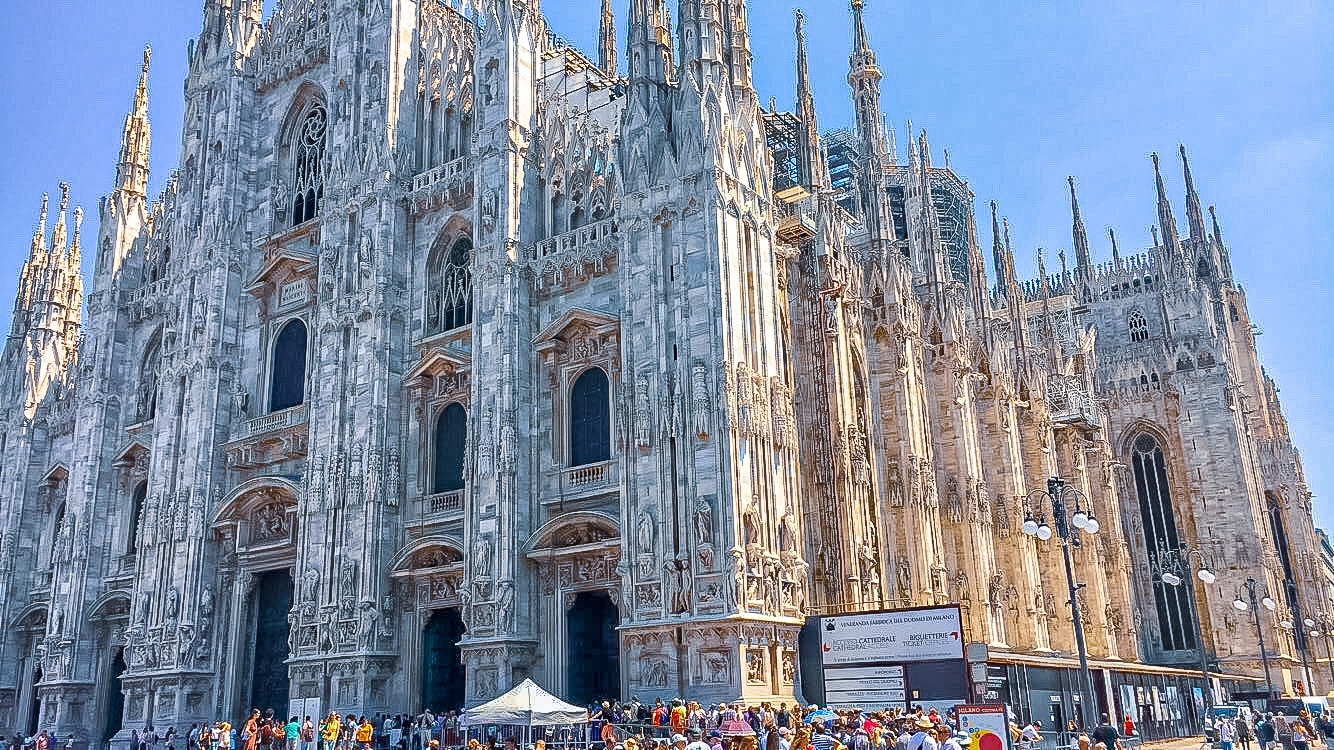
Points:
[(35, 710), (115, 696), (269, 682), (593, 672), (443, 678)]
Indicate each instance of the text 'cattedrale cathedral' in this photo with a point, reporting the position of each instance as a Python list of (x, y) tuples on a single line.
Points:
[(449, 356)]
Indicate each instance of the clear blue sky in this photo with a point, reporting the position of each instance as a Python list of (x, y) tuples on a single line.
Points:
[(1020, 98)]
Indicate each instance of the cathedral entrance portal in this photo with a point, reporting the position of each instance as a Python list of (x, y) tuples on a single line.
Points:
[(443, 676), (268, 681), (115, 696), (593, 671), (35, 710)]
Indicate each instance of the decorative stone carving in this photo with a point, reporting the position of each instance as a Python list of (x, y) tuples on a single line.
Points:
[(270, 523)]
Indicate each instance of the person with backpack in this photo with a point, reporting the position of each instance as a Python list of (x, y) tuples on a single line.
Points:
[(1266, 732)]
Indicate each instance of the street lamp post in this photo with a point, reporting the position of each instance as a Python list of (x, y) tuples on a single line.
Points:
[(1173, 567), (1325, 622), (1057, 493), (1241, 605), (1297, 627)]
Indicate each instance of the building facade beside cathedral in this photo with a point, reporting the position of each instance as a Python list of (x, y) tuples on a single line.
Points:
[(448, 357)]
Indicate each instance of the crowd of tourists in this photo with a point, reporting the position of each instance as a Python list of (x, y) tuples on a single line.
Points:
[(1271, 731), (267, 731), (689, 725)]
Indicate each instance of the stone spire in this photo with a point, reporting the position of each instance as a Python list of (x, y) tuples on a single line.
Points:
[(1194, 216), (998, 254), (39, 235), (1224, 257), (59, 235), (1116, 254), (607, 40), (75, 250), (1166, 222), (814, 170), (738, 47), (1083, 260), (649, 43), (45, 325), (132, 171), (864, 78)]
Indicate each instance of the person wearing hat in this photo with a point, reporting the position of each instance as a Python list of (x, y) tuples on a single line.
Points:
[(784, 739), (922, 738)]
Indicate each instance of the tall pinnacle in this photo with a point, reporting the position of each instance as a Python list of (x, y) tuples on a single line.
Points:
[(1194, 216), (39, 236), (58, 235), (75, 251), (607, 41), (864, 78), (1083, 261), (132, 171), (812, 165), (998, 253), (1166, 222), (1116, 253)]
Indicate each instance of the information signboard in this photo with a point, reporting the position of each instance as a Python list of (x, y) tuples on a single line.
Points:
[(986, 725), (900, 636), (867, 659)]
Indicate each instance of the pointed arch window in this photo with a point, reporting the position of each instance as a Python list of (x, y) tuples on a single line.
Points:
[(1176, 631), (1277, 528), (56, 529), (136, 511), (449, 288), (451, 430), (590, 418), (287, 378), (1139, 327), (146, 408), (308, 142)]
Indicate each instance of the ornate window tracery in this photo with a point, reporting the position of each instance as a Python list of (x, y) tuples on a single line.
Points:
[(288, 367), (1175, 629), (1139, 327), (308, 144), (449, 288)]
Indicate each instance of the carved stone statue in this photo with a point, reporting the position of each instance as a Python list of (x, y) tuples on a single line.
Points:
[(644, 532), (240, 398), (173, 608), (481, 556), (703, 522), (505, 605)]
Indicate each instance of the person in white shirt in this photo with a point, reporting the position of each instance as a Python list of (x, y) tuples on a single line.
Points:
[(1031, 736), (696, 743)]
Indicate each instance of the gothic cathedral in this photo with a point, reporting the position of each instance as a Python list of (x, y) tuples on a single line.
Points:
[(449, 356)]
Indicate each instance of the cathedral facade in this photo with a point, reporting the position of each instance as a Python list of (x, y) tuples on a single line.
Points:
[(449, 356)]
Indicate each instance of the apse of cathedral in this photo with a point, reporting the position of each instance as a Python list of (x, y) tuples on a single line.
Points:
[(449, 356)]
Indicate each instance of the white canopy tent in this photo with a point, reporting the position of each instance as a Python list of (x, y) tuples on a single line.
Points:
[(527, 705)]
